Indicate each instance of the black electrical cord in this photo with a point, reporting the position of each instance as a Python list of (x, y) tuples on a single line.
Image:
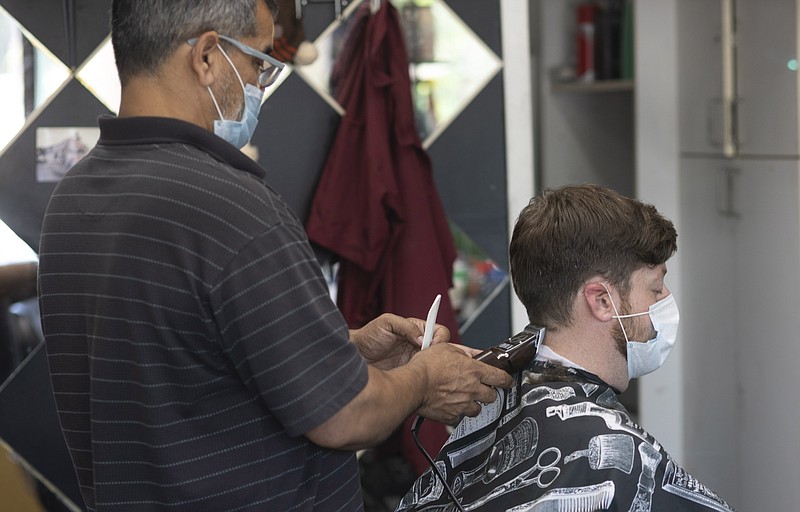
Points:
[(414, 433)]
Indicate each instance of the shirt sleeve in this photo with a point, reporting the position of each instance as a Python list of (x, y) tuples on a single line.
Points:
[(283, 334)]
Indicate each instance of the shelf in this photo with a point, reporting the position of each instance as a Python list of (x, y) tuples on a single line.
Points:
[(593, 87)]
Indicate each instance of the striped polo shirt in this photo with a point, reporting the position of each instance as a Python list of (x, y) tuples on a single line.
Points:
[(190, 334)]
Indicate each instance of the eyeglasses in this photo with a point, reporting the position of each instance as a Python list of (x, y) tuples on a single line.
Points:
[(270, 68)]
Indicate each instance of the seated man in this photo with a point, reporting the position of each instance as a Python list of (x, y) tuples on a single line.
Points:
[(589, 266)]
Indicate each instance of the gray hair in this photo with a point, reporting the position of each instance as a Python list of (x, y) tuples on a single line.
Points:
[(145, 32)]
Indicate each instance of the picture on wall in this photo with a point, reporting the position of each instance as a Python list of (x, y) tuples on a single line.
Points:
[(58, 149)]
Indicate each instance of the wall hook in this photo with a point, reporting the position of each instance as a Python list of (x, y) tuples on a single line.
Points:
[(338, 6)]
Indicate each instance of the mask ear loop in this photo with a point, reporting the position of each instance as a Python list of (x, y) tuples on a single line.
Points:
[(225, 54), (617, 315), (216, 105)]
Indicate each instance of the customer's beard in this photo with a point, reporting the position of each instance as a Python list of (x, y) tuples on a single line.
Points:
[(619, 339), (617, 333), (635, 332)]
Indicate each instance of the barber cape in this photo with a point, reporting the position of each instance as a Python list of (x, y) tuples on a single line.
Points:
[(558, 440)]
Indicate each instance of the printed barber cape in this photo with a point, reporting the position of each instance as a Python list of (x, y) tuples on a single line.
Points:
[(563, 444)]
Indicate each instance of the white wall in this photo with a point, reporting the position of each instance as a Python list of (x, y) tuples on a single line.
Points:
[(725, 404), (661, 393), (689, 404), (518, 94)]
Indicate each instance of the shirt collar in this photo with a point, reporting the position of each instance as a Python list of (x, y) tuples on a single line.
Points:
[(117, 131)]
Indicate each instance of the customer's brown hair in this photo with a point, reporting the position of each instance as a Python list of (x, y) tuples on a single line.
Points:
[(566, 236)]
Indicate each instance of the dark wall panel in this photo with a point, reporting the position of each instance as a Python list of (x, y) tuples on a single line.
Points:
[(48, 20), (295, 131), (23, 200), (470, 171), (45, 20), (483, 17), (492, 326), (92, 25)]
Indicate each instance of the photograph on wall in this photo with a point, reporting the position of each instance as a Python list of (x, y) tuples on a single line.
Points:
[(58, 149)]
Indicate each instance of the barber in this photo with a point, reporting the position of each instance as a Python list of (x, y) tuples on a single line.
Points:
[(197, 360)]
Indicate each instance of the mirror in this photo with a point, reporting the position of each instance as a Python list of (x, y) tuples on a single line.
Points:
[(20, 330), (477, 279), (29, 76), (448, 64), (99, 75)]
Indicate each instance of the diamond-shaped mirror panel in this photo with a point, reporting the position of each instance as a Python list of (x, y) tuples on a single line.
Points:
[(71, 29), (449, 64), (477, 279), (99, 76), (14, 249), (29, 76)]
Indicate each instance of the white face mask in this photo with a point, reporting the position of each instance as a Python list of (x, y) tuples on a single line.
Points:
[(646, 357)]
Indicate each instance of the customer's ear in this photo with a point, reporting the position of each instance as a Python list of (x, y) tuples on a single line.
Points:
[(598, 300)]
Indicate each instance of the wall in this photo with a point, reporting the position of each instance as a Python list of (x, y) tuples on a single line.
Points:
[(517, 18), (727, 400), (661, 393)]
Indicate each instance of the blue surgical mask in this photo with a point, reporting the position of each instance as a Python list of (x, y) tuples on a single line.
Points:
[(238, 133), (647, 357)]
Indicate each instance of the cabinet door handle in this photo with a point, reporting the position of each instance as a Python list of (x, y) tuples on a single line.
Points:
[(729, 86), (726, 192)]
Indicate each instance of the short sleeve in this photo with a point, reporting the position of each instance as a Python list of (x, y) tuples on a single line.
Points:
[(282, 332)]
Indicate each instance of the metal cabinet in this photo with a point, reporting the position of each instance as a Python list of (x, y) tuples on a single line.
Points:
[(738, 77), (740, 244)]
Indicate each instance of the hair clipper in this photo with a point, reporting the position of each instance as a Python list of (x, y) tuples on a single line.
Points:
[(512, 355), (515, 353)]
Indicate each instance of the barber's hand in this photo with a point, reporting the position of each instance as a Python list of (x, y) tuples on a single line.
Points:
[(456, 383), (390, 341)]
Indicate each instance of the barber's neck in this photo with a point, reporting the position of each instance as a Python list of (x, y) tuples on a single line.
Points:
[(162, 97), (592, 349)]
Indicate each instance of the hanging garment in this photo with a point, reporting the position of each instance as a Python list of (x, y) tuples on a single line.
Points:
[(376, 206)]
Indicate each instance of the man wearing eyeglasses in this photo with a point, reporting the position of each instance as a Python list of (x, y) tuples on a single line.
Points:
[(197, 360)]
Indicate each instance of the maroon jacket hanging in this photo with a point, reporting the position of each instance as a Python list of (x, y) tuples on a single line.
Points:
[(376, 205)]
